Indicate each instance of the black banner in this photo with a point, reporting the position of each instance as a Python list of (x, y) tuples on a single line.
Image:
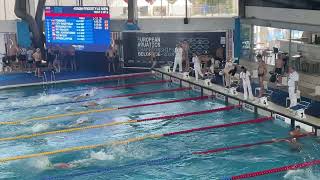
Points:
[(137, 46)]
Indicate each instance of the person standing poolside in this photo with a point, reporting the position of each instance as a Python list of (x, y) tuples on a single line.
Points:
[(178, 58), (293, 80), (262, 73), (245, 76), (197, 66), (226, 73), (153, 59), (57, 60), (185, 55), (109, 55), (37, 58), (30, 60), (279, 65)]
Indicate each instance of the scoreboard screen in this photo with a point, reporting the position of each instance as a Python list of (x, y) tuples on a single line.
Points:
[(84, 27)]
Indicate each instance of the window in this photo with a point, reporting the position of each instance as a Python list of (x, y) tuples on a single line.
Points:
[(208, 8), (68, 2), (52, 3), (118, 9), (94, 2), (2, 10), (9, 9), (161, 8)]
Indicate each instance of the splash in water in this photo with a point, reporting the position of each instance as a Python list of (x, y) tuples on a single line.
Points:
[(50, 98), (101, 155), (39, 127), (301, 174)]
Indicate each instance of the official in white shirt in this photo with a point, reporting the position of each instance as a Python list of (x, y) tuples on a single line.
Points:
[(197, 66), (246, 83), (293, 80), (178, 58)]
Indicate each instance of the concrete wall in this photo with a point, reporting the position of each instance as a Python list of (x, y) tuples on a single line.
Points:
[(286, 15)]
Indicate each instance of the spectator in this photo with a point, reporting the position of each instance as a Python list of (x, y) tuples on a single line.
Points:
[(246, 82), (293, 80), (262, 73), (37, 58)]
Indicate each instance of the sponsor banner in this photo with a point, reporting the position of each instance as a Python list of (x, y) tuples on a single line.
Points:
[(138, 46)]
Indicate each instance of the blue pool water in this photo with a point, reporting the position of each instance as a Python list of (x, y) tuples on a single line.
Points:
[(163, 158)]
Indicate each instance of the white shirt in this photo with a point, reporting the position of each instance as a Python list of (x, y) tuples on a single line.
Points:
[(292, 79), (245, 76), (178, 52), (196, 61)]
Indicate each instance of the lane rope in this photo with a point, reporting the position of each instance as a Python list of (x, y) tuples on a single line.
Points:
[(129, 166), (131, 140), (69, 130), (97, 99), (274, 170), (116, 87), (116, 77), (153, 162), (247, 145), (100, 110)]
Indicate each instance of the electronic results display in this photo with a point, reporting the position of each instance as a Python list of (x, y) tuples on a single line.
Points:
[(86, 28)]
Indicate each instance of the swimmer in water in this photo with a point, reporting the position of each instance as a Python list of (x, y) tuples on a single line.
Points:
[(82, 96), (63, 166), (295, 145), (90, 104), (296, 131)]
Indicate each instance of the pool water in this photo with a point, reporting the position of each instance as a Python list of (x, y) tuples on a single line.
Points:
[(164, 158)]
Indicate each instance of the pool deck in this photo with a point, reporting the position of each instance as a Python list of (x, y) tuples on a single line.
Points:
[(272, 109)]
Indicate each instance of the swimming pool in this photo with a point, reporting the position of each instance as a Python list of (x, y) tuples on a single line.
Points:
[(165, 157)]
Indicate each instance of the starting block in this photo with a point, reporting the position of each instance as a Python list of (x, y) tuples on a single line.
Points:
[(301, 114), (207, 82), (264, 101), (232, 91), (186, 75), (166, 69)]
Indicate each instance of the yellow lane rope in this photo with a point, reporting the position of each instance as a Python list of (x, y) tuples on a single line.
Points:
[(57, 116), (67, 130), (79, 148)]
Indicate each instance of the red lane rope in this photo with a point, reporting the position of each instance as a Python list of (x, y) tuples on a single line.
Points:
[(116, 87), (276, 170), (100, 79), (245, 145), (259, 120), (190, 114), (146, 93), (134, 84), (165, 102)]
